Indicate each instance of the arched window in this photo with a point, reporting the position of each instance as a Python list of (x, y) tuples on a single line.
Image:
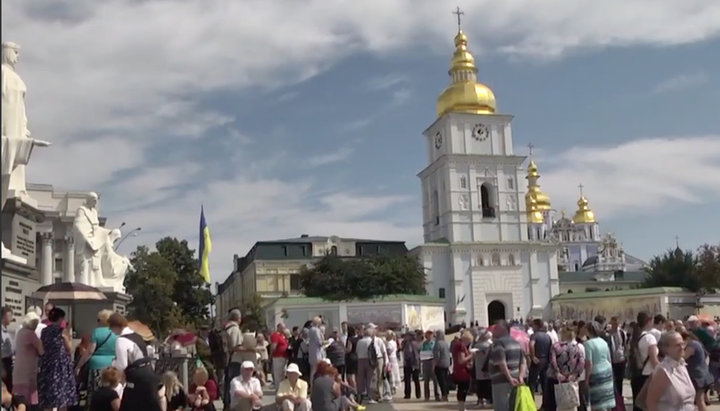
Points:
[(511, 259), (496, 259), (333, 250), (485, 201)]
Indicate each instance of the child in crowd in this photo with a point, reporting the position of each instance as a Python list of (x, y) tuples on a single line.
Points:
[(107, 396), (175, 398)]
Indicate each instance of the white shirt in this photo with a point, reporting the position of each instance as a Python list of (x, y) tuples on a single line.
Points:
[(380, 348), (646, 341), (39, 328), (126, 351), (553, 336), (656, 333), (249, 387)]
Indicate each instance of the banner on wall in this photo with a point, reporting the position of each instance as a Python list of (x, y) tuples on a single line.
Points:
[(626, 309)]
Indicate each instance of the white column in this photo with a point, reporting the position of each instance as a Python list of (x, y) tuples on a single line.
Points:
[(69, 272), (46, 259)]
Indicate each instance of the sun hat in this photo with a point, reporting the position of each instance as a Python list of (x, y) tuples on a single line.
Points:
[(294, 369)]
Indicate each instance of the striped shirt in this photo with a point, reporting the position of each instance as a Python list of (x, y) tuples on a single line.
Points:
[(505, 350)]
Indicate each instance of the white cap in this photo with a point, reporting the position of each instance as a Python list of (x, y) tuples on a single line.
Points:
[(294, 369), (247, 364), (692, 318)]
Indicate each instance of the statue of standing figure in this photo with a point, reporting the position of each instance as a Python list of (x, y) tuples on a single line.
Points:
[(17, 145), (98, 265)]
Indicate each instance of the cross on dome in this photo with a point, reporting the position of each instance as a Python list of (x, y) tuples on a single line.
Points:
[(458, 13), (581, 186), (530, 148)]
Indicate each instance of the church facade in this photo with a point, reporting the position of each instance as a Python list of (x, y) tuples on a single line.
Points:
[(480, 252)]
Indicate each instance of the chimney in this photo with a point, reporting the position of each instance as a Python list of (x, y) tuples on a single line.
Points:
[(304, 236)]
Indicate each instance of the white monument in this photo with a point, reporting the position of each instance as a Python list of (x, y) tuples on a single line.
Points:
[(98, 264), (17, 144)]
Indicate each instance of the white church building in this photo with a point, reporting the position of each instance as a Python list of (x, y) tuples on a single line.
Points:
[(486, 250)]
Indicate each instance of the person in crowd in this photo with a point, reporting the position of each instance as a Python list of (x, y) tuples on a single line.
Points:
[(325, 393), (8, 350), (219, 356), (643, 354), (552, 332), (441, 363), (598, 369), (12, 402), (233, 338), (100, 352), (28, 349), (106, 396), (203, 391), (391, 345), (540, 344), (142, 387), (316, 339), (507, 366), (56, 380), (381, 369), (292, 393), (351, 357), (262, 347), (462, 364), (428, 371), (335, 352), (245, 390), (618, 345), (175, 398), (697, 366), (658, 323), (278, 351), (365, 369), (483, 386), (671, 388), (204, 350), (411, 364), (567, 362)]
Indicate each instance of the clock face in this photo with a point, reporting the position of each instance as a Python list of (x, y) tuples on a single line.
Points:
[(438, 140), (480, 132)]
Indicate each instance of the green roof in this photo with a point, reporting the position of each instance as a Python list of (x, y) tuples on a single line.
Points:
[(589, 277), (395, 298), (621, 293)]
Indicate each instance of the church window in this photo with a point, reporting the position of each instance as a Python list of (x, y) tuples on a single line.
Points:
[(496, 259), (333, 250), (487, 209), (511, 259), (436, 207), (511, 183), (463, 182), (577, 267), (441, 293)]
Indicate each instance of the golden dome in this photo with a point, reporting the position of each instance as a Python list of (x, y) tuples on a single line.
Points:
[(534, 195), (583, 214), (464, 94), (534, 216)]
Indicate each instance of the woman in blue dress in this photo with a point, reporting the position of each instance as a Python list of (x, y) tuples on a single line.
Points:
[(598, 370), (56, 379)]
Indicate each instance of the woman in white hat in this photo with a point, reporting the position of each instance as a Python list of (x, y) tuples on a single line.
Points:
[(292, 393)]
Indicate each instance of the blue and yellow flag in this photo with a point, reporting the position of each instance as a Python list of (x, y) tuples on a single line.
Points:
[(205, 247)]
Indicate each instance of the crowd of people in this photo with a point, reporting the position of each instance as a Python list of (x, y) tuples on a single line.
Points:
[(671, 365)]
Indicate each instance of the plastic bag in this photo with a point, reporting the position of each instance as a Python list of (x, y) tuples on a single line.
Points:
[(524, 399)]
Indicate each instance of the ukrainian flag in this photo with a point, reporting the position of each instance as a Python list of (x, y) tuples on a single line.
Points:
[(205, 247)]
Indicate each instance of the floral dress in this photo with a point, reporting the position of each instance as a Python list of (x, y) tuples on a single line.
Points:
[(567, 359), (56, 379)]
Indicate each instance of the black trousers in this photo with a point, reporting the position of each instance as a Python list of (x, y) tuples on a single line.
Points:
[(443, 377), (7, 365), (411, 375), (141, 390), (618, 376), (636, 385)]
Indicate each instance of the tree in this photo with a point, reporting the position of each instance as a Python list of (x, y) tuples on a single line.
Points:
[(150, 282), (708, 266), (192, 294), (253, 315), (340, 279), (695, 271)]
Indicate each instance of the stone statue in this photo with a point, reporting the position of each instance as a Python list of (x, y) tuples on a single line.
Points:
[(98, 265), (16, 142)]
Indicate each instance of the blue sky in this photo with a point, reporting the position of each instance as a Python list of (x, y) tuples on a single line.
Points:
[(291, 117)]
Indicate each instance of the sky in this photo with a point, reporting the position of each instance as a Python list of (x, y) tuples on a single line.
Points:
[(292, 117)]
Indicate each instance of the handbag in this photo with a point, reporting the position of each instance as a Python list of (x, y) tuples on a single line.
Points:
[(567, 395)]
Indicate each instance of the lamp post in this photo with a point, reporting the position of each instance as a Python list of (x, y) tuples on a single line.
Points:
[(132, 233)]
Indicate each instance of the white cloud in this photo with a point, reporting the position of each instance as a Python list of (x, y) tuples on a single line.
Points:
[(385, 82), (637, 177), (336, 156), (681, 82)]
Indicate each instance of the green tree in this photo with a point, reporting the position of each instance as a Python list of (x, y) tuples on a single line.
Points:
[(253, 315), (192, 294), (708, 266), (675, 268), (340, 279), (150, 282)]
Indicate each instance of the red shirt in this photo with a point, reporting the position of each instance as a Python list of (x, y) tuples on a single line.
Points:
[(281, 345), (212, 391), (461, 372)]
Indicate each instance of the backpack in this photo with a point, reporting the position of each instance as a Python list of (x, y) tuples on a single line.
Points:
[(633, 362), (372, 354)]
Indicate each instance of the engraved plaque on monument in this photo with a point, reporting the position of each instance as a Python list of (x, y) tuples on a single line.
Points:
[(18, 229)]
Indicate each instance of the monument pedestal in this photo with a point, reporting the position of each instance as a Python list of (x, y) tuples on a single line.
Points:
[(83, 313), (19, 220)]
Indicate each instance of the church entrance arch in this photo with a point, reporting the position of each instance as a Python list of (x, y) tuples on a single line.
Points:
[(496, 311)]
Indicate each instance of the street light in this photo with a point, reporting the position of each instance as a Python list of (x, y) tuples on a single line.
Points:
[(132, 233)]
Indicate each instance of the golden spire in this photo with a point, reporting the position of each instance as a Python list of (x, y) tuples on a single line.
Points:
[(584, 214), (535, 200), (464, 94)]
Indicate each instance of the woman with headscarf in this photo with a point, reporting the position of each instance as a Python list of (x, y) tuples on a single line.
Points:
[(598, 370)]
